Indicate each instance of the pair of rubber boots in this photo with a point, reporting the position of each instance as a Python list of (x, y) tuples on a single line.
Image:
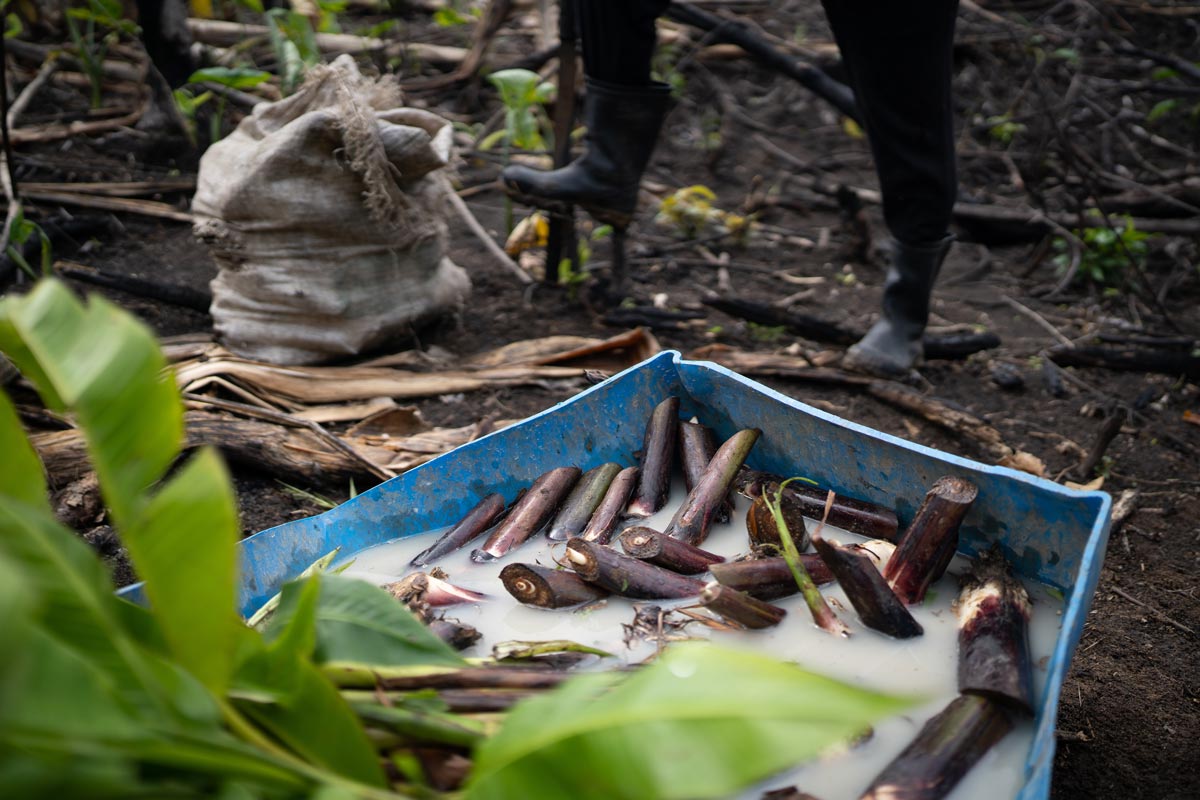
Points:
[(623, 124)]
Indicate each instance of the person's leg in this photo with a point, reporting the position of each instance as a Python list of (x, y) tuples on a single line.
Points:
[(623, 112), (618, 39), (898, 57)]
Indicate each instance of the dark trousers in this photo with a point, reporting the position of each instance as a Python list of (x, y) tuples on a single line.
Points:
[(898, 58)]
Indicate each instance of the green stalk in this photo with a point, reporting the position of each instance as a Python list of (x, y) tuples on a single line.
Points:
[(822, 614), (518, 650)]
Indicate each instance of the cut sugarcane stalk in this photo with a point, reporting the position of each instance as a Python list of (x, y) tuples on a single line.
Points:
[(676, 555), (993, 634), (945, 750), (658, 456), (474, 524), (847, 513), (626, 576), (529, 515), (411, 678), (604, 521), (822, 614), (929, 543), (740, 607), (421, 726), (769, 578), (868, 591), (525, 651), (582, 503), (694, 518), (760, 524), (455, 634), (432, 591), (545, 587), (697, 446)]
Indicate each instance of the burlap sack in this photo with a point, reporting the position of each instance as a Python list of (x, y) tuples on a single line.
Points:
[(325, 215)]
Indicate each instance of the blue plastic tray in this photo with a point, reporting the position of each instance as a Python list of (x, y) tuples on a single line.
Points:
[(1052, 534)]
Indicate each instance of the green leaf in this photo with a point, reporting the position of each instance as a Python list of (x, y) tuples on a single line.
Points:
[(361, 623), (1161, 109), (318, 725), (701, 722), (184, 546), (107, 367), (21, 475), (240, 78)]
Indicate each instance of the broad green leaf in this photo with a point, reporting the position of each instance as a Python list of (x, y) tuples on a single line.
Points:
[(107, 367), (701, 722), (239, 78), (318, 725), (21, 475), (361, 623), (66, 695), (74, 593), (184, 546)]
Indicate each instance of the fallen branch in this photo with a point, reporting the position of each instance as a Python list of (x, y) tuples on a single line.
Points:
[(174, 294), (127, 205), (736, 32), (1130, 359), (225, 34)]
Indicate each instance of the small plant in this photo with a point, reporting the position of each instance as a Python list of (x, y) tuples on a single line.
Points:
[(94, 28), (523, 94), (295, 46), (664, 68), (188, 103), (1003, 130), (22, 231), (691, 213), (1107, 254), (766, 334)]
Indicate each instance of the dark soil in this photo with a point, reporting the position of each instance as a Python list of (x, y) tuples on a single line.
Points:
[(1130, 711)]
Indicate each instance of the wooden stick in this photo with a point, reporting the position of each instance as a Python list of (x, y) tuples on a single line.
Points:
[(489, 244), (148, 208), (26, 96)]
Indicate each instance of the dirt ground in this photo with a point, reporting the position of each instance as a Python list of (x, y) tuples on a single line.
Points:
[(1130, 711)]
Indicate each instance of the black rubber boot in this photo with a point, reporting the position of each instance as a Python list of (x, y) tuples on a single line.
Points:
[(893, 345), (622, 127)]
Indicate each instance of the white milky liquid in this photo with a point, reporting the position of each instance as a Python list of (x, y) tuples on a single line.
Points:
[(924, 666)]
